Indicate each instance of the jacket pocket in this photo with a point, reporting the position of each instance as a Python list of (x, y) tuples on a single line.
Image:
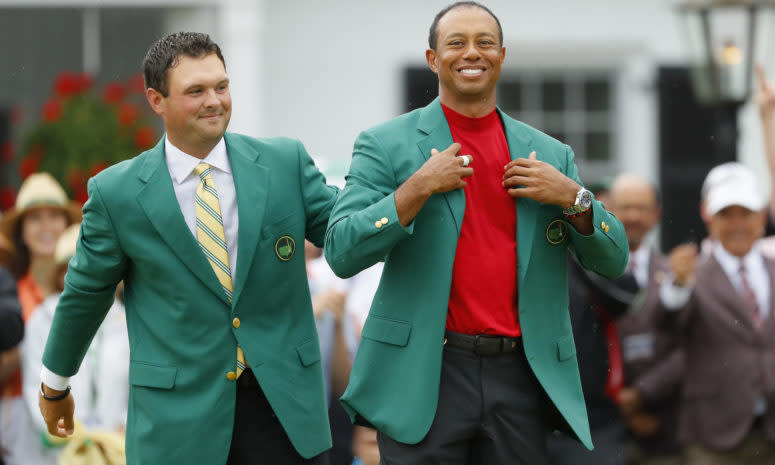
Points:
[(309, 352), (153, 376), (565, 348), (393, 332)]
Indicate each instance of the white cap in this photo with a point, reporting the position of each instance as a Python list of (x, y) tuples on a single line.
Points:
[(732, 184)]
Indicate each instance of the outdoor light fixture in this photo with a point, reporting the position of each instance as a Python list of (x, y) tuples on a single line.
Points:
[(721, 37)]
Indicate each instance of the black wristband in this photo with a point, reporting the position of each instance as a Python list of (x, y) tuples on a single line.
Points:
[(57, 397)]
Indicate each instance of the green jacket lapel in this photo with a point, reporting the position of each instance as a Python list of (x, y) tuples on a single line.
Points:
[(519, 141), (251, 181), (435, 130), (160, 204)]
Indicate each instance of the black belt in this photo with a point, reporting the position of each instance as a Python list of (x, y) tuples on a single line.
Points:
[(483, 344)]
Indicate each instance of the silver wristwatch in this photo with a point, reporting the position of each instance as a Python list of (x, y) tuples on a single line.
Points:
[(582, 204)]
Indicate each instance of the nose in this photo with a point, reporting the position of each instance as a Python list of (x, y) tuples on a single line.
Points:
[(471, 52), (211, 99)]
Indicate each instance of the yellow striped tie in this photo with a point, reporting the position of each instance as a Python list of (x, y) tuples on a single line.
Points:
[(212, 238)]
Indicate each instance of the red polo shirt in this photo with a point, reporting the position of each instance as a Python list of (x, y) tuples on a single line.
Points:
[(483, 298)]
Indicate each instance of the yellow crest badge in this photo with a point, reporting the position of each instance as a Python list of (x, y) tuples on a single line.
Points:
[(556, 232), (284, 248)]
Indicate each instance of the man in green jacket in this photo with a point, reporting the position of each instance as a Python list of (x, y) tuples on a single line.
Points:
[(207, 232), (467, 355)]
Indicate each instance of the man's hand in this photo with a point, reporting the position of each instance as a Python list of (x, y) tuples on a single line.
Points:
[(642, 424), (329, 301), (765, 94), (629, 401), (683, 260), (442, 172), (58, 414), (542, 182)]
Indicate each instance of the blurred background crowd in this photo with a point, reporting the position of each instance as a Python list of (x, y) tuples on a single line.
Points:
[(661, 101)]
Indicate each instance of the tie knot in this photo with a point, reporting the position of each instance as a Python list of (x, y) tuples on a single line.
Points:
[(202, 170)]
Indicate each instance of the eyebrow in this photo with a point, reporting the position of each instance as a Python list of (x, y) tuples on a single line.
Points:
[(195, 85), (460, 34)]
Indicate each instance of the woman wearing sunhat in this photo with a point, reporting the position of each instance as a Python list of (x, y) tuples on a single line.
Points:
[(40, 215), (102, 379)]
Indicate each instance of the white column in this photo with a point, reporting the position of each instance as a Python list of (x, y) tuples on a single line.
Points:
[(240, 32)]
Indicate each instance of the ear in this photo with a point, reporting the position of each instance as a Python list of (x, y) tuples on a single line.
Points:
[(155, 100), (503, 55), (430, 57)]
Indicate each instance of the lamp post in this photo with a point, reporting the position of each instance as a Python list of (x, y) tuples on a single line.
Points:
[(721, 36)]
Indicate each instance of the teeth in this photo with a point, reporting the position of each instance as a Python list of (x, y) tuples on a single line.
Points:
[(471, 72)]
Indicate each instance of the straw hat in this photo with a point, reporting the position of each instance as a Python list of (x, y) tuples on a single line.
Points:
[(94, 448), (38, 190), (66, 244)]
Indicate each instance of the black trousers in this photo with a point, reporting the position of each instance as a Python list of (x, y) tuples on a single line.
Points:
[(491, 410), (259, 438)]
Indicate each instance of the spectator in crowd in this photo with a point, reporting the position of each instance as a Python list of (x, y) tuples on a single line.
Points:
[(722, 306), (329, 293), (202, 229), (446, 226), (11, 333), (363, 287), (652, 360), (102, 378), (630, 369), (42, 211)]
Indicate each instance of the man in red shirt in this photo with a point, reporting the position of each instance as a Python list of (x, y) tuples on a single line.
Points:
[(469, 329)]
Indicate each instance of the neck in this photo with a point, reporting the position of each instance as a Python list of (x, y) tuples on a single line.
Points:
[(476, 107), (200, 150), (42, 272)]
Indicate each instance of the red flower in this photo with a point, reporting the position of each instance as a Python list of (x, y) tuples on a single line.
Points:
[(7, 151), (144, 138), (66, 84), (83, 82), (137, 83), (28, 166), (7, 198), (114, 92), (52, 110), (80, 194), (128, 114), (96, 168)]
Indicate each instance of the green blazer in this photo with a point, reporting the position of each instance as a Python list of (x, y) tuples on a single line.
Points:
[(181, 332), (394, 382)]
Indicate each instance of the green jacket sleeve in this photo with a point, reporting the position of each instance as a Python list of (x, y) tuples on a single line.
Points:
[(354, 242), (93, 273), (319, 198), (605, 251)]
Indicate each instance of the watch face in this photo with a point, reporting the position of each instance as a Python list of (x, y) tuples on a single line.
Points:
[(586, 199)]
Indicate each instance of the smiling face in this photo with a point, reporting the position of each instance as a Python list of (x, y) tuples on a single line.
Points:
[(468, 57), (41, 228), (737, 228), (197, 109)]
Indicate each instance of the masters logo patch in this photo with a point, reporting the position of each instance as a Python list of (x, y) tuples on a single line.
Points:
[(284, 248), (556, 232)]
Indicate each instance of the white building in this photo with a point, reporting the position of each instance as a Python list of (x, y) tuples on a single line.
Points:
[(322, 71)]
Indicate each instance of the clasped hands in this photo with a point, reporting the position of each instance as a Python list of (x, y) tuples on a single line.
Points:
[(523, 177)]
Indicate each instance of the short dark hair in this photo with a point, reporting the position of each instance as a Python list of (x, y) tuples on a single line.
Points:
[(165, 53), (433, 33)]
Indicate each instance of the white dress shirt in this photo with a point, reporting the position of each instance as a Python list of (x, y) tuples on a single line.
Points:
[(638, 265), (185, 181), (181, 166)]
